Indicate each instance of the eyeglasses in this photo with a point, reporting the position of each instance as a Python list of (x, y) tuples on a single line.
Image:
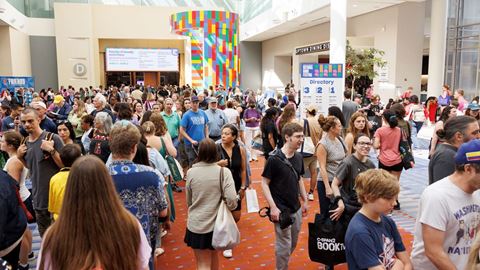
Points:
[(363, 144)]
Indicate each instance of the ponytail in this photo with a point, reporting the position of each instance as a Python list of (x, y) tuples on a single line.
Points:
[(391, 118)]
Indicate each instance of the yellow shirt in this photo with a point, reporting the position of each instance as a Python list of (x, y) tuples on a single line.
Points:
[(58, 182)]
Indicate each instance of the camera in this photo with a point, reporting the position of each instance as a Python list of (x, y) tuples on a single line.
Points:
[(285, 219)]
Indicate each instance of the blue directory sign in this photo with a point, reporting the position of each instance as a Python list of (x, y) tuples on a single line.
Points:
[(321, 85)]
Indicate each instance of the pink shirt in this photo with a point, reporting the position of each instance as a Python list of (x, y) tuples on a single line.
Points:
[(389, 144)]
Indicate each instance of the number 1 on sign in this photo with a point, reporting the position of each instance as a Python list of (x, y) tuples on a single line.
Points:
[(332, 90)]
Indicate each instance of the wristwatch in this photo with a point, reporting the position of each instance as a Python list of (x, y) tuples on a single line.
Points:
[(243, 187), (52, 152)]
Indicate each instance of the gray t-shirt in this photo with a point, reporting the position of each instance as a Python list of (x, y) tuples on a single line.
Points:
[(347, 172), (348, 109), (42, 167), (442, 162), (447, 208)]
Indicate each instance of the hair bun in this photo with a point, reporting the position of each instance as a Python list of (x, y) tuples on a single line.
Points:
[(441, 133)]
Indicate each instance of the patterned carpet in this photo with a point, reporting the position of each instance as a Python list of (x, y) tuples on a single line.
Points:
[(256, 250)]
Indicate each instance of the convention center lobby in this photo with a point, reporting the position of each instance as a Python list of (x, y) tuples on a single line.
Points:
[(224, 60)]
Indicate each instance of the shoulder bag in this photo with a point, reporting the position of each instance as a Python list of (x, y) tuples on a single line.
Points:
[(175, 168), (308, 148), (225, 233)]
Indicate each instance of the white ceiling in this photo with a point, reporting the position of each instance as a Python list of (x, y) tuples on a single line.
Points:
[(322, 15)]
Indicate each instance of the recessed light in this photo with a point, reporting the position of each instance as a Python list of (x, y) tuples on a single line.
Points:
[(355, 5)]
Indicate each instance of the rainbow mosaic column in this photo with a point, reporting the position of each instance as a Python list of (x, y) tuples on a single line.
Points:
[(215, 51)]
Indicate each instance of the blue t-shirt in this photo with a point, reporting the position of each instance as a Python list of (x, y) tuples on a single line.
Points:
[(194, 125), (7, 123), (369, 244)]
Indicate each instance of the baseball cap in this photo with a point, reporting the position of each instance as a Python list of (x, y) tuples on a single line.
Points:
[(468, 153), (194, 99), (58, 99), (212, 100), (473, 106)]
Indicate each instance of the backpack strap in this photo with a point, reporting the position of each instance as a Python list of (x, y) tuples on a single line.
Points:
[(343, 144), (49, 136)]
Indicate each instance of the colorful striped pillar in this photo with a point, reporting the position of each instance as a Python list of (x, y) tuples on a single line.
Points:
[(215, 51)]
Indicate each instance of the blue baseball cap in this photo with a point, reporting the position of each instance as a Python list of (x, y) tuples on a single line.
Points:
[(473, 106), (468, 153)]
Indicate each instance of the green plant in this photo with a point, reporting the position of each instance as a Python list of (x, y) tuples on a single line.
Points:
[(362, 63)]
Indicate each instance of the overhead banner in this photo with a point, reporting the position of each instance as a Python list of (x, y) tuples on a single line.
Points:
[(321, 85), (11, 83)]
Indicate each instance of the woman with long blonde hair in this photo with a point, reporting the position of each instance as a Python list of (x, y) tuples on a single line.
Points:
[(358, 123), (94, 230)]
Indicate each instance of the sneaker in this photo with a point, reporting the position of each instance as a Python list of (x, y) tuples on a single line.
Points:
[(159, 251), (163, 233), (31, 256), (310, 196), (227, 253), (176, 188)]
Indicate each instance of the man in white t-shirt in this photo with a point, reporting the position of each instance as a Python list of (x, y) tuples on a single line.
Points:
[(233, 117), (449, 215)]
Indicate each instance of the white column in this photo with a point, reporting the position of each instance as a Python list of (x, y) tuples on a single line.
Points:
[(438, 39), (338, 34)]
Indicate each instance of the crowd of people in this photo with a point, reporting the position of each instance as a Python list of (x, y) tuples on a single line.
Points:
[(104, 162)]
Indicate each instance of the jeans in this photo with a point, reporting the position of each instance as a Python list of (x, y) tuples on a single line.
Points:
[(286, 241), (250, 133), (416, 126), (44, 219), (191, 154), (322, 198), (175, 142)]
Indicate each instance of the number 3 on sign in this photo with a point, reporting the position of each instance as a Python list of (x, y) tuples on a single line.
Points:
[(319, 90), (332, 90)]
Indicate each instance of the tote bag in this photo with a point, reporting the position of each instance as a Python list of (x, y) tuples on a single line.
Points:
[(175, 168), (225, 232), (308, 148), (326, 241)]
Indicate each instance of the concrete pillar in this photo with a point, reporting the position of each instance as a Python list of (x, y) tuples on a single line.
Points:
[(438, 36), (338, 34)]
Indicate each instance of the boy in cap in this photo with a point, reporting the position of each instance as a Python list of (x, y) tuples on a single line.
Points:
[(449, 215)]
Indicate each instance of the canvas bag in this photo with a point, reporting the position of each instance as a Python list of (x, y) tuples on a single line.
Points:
[(308, 148), (326, 241), (225, 232)]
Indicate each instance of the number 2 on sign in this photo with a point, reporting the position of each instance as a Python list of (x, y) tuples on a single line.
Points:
[(332, 90), (319, 90)]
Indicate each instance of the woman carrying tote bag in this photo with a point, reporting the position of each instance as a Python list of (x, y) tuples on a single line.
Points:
[(203, 200)]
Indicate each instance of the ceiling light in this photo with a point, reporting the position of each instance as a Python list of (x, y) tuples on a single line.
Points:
[(354, 5)]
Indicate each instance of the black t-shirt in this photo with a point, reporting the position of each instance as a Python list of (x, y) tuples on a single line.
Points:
[(283, 180), (269, 128), (346, 173)]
